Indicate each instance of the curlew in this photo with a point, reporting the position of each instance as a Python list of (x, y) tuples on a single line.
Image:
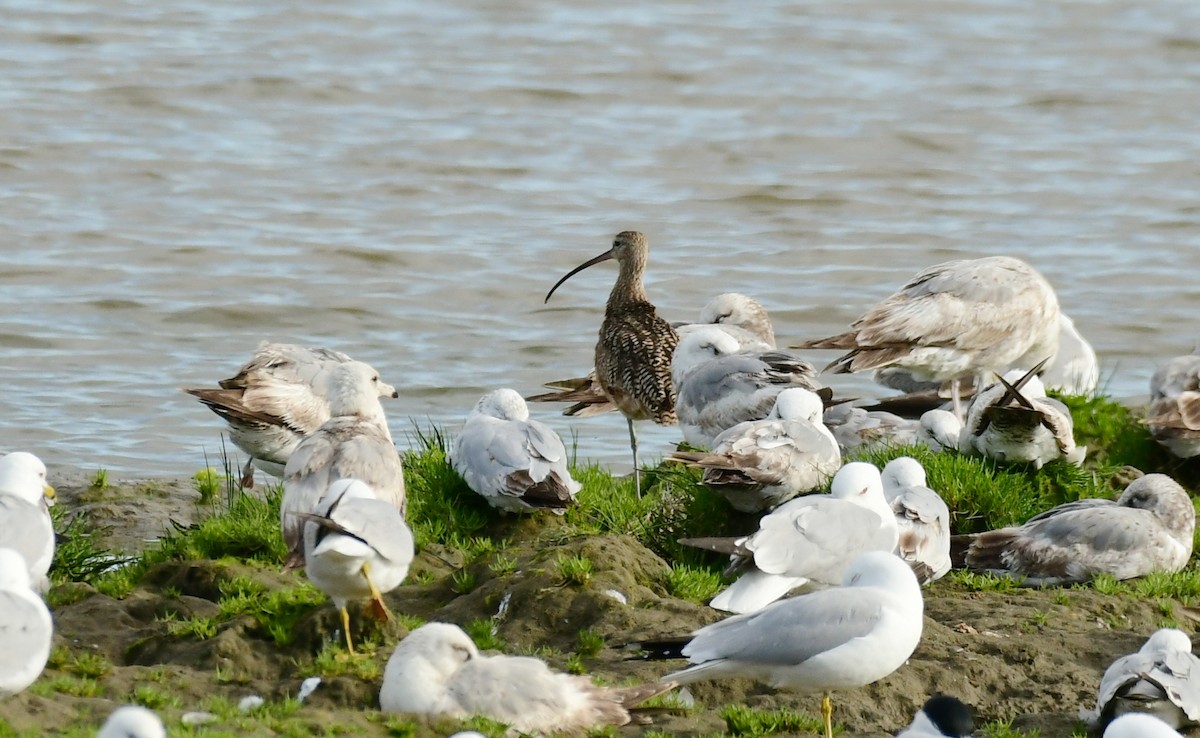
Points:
[(633, 355), (955, 320)]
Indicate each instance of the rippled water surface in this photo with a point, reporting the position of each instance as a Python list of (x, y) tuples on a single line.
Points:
[(404, 181)]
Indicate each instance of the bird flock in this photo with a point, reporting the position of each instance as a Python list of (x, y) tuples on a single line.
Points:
[(974, 345)]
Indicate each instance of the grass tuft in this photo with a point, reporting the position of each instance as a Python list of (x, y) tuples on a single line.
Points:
[(741, 720)]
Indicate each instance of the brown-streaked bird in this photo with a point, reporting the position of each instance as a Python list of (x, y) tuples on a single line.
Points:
[(633, 355), (1174, 413), (957, 319)]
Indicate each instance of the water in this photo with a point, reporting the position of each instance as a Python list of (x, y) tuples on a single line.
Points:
[(404, 181)]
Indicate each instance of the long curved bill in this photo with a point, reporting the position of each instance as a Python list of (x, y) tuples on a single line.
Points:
[(602, 257)]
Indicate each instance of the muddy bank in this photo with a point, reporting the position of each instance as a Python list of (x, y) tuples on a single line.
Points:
[(1031, 656)]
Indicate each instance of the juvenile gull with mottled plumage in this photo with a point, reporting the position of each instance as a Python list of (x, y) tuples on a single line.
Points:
[(1149, 528), (921, 516), (759, 464), (515, 463), (1174, 413)]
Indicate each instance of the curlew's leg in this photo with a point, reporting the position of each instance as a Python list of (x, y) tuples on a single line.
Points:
[(247, 480), (827, 713), (637, 472), (377, 609), (346, 628)]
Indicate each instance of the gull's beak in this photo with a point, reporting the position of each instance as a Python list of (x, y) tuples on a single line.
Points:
[(49, 495), (602, 257), (387, 390)]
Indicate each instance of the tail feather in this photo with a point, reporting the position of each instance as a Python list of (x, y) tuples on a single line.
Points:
[(728, 546), (659, 649), (753, 591)]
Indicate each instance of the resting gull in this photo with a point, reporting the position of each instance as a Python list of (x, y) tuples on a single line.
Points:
[(1149, 528), (356, 547), (941, 715), (353, 444), (811, 538), (846, 636), (25, 524), (717, 385), (954, 320), (275, 400), (1174, 414), (515, 463), (1162, 679), (25, 626), (921, 516), (437, 670), (759, 464), (1013, 421), (132, 721)]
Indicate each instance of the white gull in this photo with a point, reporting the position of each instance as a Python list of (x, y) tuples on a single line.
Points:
[(25, 524), (921, 516)]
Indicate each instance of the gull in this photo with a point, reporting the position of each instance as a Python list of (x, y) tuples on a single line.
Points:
[(846, 636), (921, 516), (633, 354), (25, 524), (857, 428), (132, 721), (25, 626), (1149, 528), (1162, 679), (1073, 370), (356, 546), (811, 538), (955, 320), (437, 670), (275, 400), (515, 463), (941, 715), (1135, 725), (718, 386), (759, 464), (742, 317), (1012, 420), (353, 444), (1174, 414)]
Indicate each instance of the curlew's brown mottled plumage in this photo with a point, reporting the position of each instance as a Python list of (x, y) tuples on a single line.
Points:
[(633, 355)]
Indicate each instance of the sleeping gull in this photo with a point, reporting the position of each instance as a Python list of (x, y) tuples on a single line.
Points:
[(353, 444), (1013, 421), (941, 715), (922, 517), (437, 670), (25, 524), (809, 538), (1162, 679), (742, 317), (356, 546), (25, 626), (132, 721), (1137, 725), (717, 385), (275, 400), (515, 463), (1174, 414), (847, 636), (1149, 528), (759, 464), (954, 320)]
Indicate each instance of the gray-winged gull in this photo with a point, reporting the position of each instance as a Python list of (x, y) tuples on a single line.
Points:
[(1174, 412), (921, 516), (353, 444), (437, 670), (1149, 528), (740, 316), (515, 463), (1013, 420), (759, 464), (1162, 678), (25, 524), (25, 626), (356, 547), (276, 399)]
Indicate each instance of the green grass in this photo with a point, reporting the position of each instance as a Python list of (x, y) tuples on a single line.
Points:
[(741, 720), (483, 632), (575, 569), (1004, 729), (588, 643)]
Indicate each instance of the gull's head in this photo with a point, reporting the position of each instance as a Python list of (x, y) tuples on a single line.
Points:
[(944, 426), (1159, 494), (14, 570), (949, 716), (629, 248), (354, 388), (23, 475), (879, 569), (1167, 639), (858, 482), (698, 346), (505, 404), (797, 403), (734, 308), (903, 471), (132, 721), (443, 646)]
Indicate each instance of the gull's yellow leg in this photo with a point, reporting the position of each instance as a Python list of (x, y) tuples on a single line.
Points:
[(346, 629), (377, 608), (827, 713)]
